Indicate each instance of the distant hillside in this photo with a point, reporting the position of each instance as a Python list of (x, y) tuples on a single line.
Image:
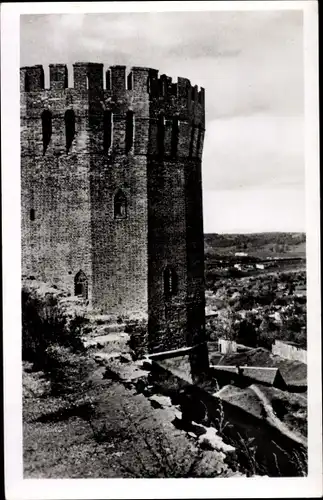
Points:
[(256, 244)]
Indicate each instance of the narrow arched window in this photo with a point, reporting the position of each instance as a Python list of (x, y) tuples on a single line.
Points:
[(69, 128), (199, 141), (81, 285), (32, 214), (129, 81), (129, 130), (170, 282), (46, 120), (192, 140), (120, 205), (108, 80), (107, 130), (162, 86), (27, 82), (175, 131), (160, 134)]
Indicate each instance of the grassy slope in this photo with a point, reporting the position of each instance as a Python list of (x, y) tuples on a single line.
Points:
[(127, 436)]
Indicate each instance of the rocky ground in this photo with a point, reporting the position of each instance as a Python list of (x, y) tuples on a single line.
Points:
[(118, 428)]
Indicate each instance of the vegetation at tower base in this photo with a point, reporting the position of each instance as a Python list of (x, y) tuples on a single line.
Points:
[(44, 324), (112, 193), (52, 338)]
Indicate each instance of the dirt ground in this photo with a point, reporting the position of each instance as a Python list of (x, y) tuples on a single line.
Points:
[(110, 431)]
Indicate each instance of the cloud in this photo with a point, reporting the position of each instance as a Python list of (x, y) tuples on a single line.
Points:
[(250, 211), (255, 151), (245, 60), (250, 64)]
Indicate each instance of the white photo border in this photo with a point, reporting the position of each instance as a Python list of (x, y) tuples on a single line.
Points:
[(18, 488)]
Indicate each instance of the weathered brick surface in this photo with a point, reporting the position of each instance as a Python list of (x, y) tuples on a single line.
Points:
[(71, 192)]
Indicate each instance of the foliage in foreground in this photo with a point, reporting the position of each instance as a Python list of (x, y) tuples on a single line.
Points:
[(51, 340)]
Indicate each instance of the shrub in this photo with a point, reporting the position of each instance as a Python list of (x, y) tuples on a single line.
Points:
[(45, 324), (247, 333)]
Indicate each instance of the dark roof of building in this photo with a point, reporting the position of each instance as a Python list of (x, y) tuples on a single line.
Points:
[(223, 368), (257, 374), (293, 372), (289, 342), (262, 374)]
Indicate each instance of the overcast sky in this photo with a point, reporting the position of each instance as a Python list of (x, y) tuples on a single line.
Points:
[(251, 66)]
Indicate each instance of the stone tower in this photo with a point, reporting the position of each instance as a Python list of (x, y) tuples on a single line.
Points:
[(112, 195)]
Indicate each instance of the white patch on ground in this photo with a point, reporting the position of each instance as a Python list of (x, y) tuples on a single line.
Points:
[(163, 401), (118, 338), (214, 441)]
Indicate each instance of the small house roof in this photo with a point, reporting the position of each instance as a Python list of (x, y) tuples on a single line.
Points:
[(262, 374), (223, 368), (209, 312), (256, 374)]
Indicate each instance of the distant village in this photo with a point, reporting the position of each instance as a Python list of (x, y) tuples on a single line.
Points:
[(242, 261)]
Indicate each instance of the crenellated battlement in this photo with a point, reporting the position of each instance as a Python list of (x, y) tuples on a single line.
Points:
[(108, 108), (115, 80)]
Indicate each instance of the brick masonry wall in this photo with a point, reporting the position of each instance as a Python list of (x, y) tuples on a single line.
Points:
[(120, 258), (72, 193), (120, 245), (57, 244), (166, 247), (194, 252), (175, 222)]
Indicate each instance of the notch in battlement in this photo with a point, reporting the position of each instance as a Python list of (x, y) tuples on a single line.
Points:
[(165, 85)]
